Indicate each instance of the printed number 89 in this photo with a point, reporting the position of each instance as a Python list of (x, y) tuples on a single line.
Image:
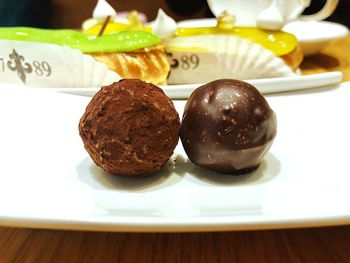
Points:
[(189, 62), (41, 68)]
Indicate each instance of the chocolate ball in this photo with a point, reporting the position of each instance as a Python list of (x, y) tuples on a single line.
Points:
[(130, 128), (227, 126)]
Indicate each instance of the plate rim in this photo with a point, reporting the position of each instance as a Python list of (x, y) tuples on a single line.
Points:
[(172, 224)]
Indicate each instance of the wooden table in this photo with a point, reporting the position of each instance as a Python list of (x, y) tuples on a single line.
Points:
[(321, 245)]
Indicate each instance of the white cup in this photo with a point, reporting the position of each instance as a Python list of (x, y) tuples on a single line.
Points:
[(269, 14)]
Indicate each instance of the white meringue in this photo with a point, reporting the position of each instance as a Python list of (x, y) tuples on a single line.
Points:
[(164, 26), (103, 9)]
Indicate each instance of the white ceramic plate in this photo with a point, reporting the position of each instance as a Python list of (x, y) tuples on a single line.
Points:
[(47, 180), (265, 86), (313, 36)]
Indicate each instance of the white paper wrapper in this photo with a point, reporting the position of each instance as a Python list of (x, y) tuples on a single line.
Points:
[(200, 59), (49, 65)]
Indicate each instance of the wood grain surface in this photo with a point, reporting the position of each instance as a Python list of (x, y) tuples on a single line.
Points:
[(321, 245)]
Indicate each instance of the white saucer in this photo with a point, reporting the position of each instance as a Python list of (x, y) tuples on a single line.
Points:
[(313, 36)]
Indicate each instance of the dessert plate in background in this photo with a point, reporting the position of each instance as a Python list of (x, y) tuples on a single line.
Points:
[(313, 36), (47, 179), (265, 86)]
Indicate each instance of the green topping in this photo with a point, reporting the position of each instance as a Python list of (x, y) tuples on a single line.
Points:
[(117, 42)]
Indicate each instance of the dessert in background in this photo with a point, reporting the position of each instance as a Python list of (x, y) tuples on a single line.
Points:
[(147, 63), (227, 126), (131, 54), (130, 128), (103, 12), (201, 54)]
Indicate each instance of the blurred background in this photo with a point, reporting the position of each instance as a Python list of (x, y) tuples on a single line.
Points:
[(71, 13)]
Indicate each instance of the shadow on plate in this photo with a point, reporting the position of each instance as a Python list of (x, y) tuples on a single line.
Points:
[(96, 178), (172, 173), (268, 169)]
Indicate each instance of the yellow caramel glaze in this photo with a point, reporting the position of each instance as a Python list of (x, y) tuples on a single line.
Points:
[(279, 42)]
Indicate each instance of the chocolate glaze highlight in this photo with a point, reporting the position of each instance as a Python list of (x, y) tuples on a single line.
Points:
[(227, 126), (130, 128)]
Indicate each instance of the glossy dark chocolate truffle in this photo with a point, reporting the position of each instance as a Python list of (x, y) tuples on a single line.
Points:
[(130, 128), (227, 126)]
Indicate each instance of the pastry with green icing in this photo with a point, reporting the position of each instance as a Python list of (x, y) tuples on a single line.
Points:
[(132, 54)]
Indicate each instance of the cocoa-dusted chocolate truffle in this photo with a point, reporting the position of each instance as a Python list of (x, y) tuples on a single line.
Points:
[(227, 126), (130, 128)]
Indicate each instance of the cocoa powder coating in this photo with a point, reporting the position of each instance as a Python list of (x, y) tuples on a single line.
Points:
[(130, 128)]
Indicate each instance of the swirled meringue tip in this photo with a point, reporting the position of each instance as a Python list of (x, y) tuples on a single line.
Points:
[(270, 18), (164, 26), (103, 9)]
